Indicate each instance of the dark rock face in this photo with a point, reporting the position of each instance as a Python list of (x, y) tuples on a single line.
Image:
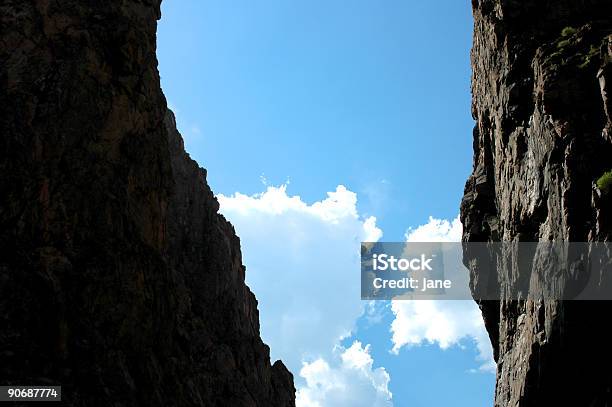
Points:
[(118, 278), (541, 86), (216, 313)]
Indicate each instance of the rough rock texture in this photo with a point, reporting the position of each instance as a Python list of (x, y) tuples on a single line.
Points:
[(118, 278), (542, 72)]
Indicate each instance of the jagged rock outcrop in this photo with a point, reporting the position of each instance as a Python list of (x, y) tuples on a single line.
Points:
[(118, 278), (541, 87)]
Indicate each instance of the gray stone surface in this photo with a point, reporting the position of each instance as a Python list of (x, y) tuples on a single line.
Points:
[(541, 76)]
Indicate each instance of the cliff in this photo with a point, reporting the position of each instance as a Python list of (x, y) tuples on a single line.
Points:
[(119, 280), (542, 72)]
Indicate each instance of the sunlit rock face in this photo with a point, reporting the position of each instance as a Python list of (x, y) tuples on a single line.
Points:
[(541, 86), (118, 278)]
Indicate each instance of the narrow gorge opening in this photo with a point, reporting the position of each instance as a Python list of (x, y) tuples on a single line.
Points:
[(305, 116), (337, 140)]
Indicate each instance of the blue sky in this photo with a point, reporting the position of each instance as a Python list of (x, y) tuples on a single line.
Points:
[(370, 95)]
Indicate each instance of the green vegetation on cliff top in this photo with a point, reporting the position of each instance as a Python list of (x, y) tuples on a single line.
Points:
[(604, 183)]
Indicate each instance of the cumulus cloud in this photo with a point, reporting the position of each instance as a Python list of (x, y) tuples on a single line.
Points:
[(353, 383), (445, 323), (303, 263), (436, 230), (371, 232)]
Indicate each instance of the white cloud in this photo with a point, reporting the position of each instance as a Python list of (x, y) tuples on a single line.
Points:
[(263, 179), (436, 230), (371, 232), (354, 383), (445, 323), (303, 263)]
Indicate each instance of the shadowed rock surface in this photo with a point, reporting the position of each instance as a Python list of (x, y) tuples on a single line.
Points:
[(542, 72), (119, 280)]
